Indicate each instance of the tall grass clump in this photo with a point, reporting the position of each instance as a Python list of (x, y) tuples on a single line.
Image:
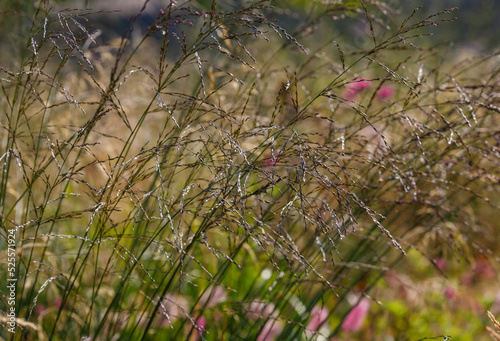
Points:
[(223, 175)]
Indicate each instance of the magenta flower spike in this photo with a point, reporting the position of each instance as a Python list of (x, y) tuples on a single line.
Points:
[(272, 329), (355, 87), (318, 317), (354, 320), (385, 92), (201, 322)]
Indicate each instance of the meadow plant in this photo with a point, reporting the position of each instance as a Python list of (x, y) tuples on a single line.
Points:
[(219, 175)]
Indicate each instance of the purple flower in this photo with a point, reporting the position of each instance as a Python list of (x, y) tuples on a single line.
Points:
[(354, 320)]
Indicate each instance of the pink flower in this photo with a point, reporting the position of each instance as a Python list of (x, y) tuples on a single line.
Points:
[(440, 263), (213, 296), (362, 84), (271, 330), (354, 320), (385, 92), (318, 317), (173, 307), (201, 322), (467, 279), (483, 269), (350, 93), (450, 293), (267, 311), (261, 310), (271, 161), (40, 309), (355, 87), (57, 303)]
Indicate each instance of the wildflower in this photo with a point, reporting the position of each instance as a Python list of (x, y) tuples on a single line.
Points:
[(440, 263), (40, 309), (450, 293), (213, 296), (58, 302), (362, 84), (271, 330), (483, 269), (354, 88), (173, 308), (354, 320), (318, 317), (385, 92), (261, 310), (271, 161), (201, 322), (467, 279), (268, 312)]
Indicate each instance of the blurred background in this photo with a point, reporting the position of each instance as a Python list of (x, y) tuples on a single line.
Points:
[(478, 26)]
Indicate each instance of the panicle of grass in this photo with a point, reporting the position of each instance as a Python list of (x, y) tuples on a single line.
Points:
[(495, 334)]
